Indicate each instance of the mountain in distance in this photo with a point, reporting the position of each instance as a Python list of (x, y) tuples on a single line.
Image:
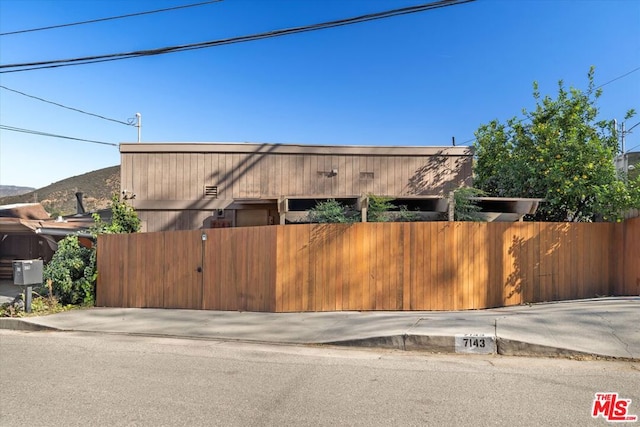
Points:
[(59, 198), (14, 190)]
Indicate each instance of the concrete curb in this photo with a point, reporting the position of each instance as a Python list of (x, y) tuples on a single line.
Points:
[(507, 347), (446, 344), (18, 324), (437, 344), (431, 344)]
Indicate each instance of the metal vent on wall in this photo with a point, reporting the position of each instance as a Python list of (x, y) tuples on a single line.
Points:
[(211, 191), (366, 175)]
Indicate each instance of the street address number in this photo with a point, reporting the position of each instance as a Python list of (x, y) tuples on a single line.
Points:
[(475, 343)]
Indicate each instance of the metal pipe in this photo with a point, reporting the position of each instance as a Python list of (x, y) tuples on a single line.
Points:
[(64, 233)]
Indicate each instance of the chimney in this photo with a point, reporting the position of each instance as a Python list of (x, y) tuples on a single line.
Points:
[(79, 205)]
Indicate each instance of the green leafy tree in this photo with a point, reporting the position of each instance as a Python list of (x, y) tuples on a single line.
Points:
[(563, 154), (124, 219)]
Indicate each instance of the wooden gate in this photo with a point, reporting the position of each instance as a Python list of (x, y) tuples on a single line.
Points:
[(219, 269), (156, 270), (183, 260)]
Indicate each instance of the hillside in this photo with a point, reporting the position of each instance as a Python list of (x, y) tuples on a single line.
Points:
[(12, 190), (59, 198)]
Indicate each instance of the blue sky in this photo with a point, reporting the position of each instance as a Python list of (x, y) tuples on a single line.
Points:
[(409, 80)]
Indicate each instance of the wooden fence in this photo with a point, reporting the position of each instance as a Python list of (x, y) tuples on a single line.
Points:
[(372, 266)]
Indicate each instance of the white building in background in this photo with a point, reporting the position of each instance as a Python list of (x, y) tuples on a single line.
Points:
[(629, 162)]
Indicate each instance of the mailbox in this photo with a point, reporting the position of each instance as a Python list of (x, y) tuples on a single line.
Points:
[(27, 272)]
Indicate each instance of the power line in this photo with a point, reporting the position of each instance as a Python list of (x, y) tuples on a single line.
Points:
[(598, 87), (619, 77), (52, 135), (68, 108), (51, 27), (241, 39), (467, 141), (629, 130)]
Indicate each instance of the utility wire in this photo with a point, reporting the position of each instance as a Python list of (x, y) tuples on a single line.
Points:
[(629, 130), (598, 87), (52, 135), (68, 108), (241, 39), (619, 77), (92, 21)]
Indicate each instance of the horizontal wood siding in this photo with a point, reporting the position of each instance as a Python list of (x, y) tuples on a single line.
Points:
[(370, 266)]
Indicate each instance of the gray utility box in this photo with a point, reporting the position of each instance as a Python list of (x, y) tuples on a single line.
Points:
[(27, 272)]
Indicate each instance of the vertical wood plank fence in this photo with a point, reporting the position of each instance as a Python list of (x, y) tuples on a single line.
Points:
[(371, 266)]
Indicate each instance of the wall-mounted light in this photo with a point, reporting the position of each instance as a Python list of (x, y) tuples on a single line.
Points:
[(204, 237), (128, 195)]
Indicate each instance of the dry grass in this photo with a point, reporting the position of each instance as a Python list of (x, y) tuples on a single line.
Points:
[(59, 198)]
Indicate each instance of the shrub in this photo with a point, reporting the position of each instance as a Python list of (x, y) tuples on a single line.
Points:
[(378, 208), (405, 215), (382, 210), (331, 211), (466, 209), (72, 272)]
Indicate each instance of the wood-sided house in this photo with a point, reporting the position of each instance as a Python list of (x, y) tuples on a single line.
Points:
[(181, 186), (28, 232)]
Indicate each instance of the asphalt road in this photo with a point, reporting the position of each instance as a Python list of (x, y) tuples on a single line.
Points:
[(74, 379)]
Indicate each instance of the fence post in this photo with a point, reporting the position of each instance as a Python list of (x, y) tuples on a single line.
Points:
[(452, 206)]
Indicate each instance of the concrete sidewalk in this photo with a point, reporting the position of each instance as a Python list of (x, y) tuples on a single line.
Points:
[(608, 327)]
